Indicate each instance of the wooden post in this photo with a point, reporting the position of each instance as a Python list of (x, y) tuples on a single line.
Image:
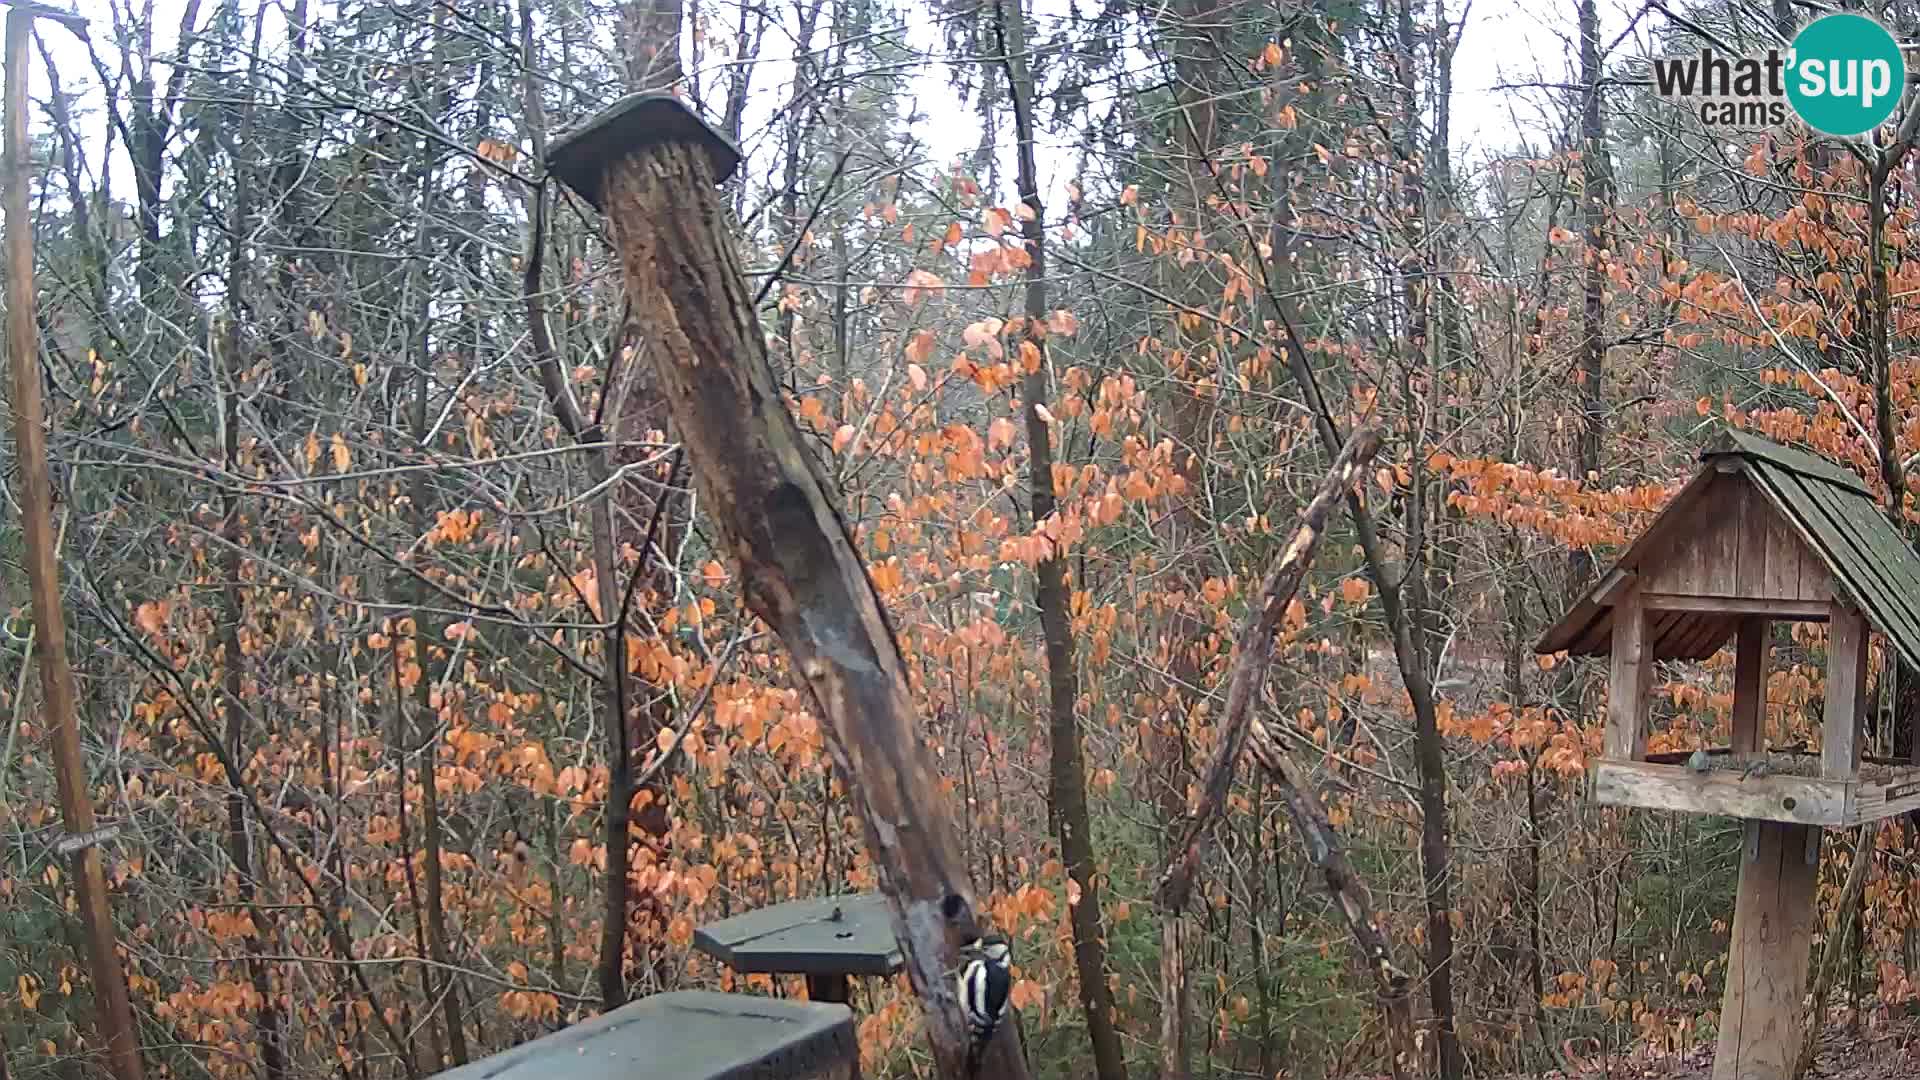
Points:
[(1760, 1014), (652, 167), (43, 570), (1843, 729), (834, 988), (1630, 677), (1750, 686)]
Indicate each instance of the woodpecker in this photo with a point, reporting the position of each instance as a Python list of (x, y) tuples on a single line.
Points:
[(985, 978)]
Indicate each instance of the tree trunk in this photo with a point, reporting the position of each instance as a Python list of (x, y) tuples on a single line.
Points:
[(269, 1020), (1596, 201), (799, 571), (1067, 775)]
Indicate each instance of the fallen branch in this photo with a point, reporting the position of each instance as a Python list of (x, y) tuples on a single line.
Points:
[(1253, 651), (1242, 731)]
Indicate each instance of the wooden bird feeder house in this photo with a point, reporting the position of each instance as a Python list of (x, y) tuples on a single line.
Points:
[(1761, 534)]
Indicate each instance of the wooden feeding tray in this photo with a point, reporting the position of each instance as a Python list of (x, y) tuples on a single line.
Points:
[(826, 939), (688, 1035), (1792, 789)]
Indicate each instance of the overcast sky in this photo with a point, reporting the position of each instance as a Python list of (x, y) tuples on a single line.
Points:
[(1506, 44)]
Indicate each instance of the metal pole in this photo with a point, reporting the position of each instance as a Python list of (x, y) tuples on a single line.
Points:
[(43, 571)]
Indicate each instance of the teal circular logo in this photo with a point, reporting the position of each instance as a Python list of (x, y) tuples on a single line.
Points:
[(1847, 75)]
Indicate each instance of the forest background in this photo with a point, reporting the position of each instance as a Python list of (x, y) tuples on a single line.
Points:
[(425, 708)]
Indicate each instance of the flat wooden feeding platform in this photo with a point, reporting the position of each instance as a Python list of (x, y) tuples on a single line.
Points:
[(1792, 790), (688, 1035), (826, 939)]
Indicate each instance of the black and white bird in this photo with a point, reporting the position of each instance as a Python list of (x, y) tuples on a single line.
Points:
[(985, 977)]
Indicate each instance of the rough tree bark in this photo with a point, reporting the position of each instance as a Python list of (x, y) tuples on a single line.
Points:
[(1066, 774), (775, 513)]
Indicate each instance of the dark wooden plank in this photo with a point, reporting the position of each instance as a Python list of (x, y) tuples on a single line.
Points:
[(1683, 565), (1595, 640), (1785, 550), (1887, 554), (1756, 515), (1578, 622), (1806, 505), (1660, 630), (1750, 685), (687, 1035), (1720, 548), (1843, 724), (1795, 610), (1702, 635), (1816, 581)]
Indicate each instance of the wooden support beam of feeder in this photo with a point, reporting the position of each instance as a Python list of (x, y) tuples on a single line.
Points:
[(1841, 732), (652, 167), (1761, 1015), (1632, 677)]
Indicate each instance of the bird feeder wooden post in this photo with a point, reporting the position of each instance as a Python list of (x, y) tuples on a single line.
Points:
[(652, 167), (1762, 534)]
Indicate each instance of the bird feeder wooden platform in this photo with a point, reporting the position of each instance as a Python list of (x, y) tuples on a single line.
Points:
[(1761, 534), (828, 940), (688, 1035)]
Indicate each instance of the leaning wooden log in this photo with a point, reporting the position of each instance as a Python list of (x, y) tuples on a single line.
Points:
[(1242, 731), (1252, 652), (652, 167)]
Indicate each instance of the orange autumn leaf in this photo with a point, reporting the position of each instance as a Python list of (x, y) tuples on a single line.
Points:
[(151, 617), (1000, 433), (921, 283), (500, 153)]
